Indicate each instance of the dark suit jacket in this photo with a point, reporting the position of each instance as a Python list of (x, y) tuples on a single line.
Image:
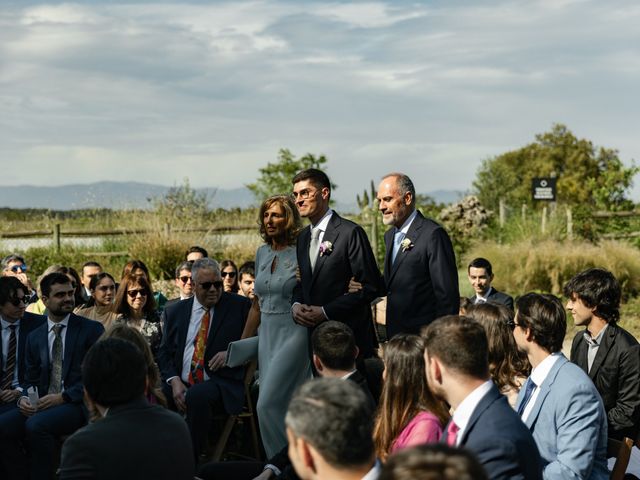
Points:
[(500, 441), (227, 324), (497, 297), (81, 334), (616, 375), (135, 440), (422, 284), (327, 286), (28, 323)]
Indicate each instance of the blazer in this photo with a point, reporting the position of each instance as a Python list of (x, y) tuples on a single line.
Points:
[(110, 447), (28, 323), (422, 283), (569, 425), (227, 324), (500, 441), (327, 285), (497, 297), (616, 375), (81, 334)]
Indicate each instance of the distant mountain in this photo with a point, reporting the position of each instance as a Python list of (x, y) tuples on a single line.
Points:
[(120, 195)]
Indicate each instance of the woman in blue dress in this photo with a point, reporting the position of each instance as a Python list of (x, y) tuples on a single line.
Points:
[(283, 346)]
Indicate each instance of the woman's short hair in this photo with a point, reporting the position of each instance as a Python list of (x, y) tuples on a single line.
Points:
[(293, 221)]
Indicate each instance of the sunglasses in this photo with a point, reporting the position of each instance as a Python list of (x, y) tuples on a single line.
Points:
[(185, 279), (105, 288), (134, 293), (15, 301), (230, 274), (18, 268), (208, 285)]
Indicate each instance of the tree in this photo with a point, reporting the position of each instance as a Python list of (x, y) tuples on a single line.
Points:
[(181, 202), (276, 177), (587, 175)]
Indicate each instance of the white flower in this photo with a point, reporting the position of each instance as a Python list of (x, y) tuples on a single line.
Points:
[(406, 244), (325, 248)]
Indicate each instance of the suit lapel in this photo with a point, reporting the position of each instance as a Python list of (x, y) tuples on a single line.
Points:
[(608, 340), (43, 336), (330, 235), (70, 341), (545, 388), (388, 243), (303, 260), (219, 313), (183, 325), (492, 395), (412, 234)]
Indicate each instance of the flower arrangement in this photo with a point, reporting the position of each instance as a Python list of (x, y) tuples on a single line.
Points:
[(406, 244)]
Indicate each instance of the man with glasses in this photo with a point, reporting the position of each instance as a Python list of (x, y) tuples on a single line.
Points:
[(183, 282), (196, 335), (14, 265), (330, 252), (54, 352)]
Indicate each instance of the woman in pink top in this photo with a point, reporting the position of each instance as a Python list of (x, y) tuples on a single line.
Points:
[(408, 413)]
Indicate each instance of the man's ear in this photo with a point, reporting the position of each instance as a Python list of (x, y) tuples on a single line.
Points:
[(308, 455), (317, 363), (436, 369), (325, 193), (408, 198)]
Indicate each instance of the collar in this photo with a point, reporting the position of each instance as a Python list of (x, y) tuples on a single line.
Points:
[(6, 325), (65, 322), (374, 473), (462, 414), (197, 306), (486, 296), (407, 223), (540, 373), (594, 342), (324, 221), (345, 377)]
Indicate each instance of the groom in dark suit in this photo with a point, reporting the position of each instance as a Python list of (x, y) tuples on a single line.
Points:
[(420, 271), (330, 252)]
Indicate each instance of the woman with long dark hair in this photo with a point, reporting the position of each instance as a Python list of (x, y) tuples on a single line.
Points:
[(408, 413), (229, 272), (100, 306)]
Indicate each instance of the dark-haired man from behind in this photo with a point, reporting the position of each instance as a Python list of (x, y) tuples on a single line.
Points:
[(558, 403), (456, 360), (54, 353), (15, 324), (605, 351), (480, 273), (330, 431), (133, 439)]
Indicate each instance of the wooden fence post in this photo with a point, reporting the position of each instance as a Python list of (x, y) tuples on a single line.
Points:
[(569, 224), (524, 212), (543, 225), (167, 229), (503, 212), (56, 237)]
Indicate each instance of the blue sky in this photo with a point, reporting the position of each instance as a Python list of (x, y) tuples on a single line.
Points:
[(157, 91)]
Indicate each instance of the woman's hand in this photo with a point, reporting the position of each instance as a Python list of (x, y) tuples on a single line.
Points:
[(354, 286)]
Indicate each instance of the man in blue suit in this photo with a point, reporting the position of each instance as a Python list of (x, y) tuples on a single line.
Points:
[(54, 352), (456, 357), (559, 403)]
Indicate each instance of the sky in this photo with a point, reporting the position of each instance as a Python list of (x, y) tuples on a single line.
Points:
[(157, 91)]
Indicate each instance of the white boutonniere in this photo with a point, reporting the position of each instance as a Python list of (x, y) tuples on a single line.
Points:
[(326, 248), (406, 244)]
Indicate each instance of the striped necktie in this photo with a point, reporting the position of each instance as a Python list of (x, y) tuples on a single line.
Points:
[(10, 366)]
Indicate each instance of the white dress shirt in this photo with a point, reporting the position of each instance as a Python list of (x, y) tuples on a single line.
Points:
[(483, 298), (463, 413), (323, 224), (197, 312), (539, 375), (6, 335)]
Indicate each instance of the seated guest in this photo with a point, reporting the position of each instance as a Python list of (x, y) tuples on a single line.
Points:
[(456, 355), (408, 414), (136, 307), (195, 253), (133, 439), (14, 265), (137, 267), (480, 276), (89, 270), (102, 288), (38, 306), (54, 353), (329, 426), (153, 391), (197, 333), (433, 462), (229, 272), (465, 303), (605, 351), (558, 402), (183, 282), (15, 325), (509, 368), (247, 280)]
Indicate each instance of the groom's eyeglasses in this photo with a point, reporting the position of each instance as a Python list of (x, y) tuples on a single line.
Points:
[(303, 194)]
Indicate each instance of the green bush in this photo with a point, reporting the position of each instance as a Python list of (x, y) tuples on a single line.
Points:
[(547, 265)]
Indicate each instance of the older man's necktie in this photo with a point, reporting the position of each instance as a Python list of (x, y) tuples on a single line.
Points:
[(55, 379), (196, 374), (10, 366)]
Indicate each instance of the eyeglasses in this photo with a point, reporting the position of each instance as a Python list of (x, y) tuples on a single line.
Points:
[(208, 285), (18, 268), (230, 274), (185, 279), (303, 194), (105, 288), (15, 301), (134, 293), (512, 325)]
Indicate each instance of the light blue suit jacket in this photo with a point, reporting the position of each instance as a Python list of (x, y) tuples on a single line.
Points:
[(569, 425)]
